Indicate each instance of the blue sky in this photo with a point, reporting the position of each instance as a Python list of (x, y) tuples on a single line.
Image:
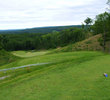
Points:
[(18, 14)]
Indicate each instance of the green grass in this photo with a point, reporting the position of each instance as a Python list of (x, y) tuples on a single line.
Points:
[(72, 76), (28, 53), (6, 57)]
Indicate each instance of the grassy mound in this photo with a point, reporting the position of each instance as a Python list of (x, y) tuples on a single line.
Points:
[(72, 76), (6, 57), (90, 44)]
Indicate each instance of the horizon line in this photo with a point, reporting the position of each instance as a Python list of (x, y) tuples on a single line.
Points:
[(37, 27)]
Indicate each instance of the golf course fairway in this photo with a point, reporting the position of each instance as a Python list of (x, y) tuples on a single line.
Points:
[(70, 76)]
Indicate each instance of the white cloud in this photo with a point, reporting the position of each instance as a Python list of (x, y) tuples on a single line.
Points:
[(16, 14)]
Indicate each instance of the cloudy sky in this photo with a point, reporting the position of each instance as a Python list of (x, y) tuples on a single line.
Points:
[(17, 14)]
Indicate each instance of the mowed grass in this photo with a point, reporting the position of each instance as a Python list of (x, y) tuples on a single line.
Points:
[(72, 76), (30, 53)]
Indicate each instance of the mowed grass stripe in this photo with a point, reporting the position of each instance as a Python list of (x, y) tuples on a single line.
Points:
[(30, 53), (39, 68)]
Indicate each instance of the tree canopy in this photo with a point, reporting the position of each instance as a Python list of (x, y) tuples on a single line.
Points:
[(102, 26), (30, 41)]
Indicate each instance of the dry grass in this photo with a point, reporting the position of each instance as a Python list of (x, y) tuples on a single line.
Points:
[(90, 44)]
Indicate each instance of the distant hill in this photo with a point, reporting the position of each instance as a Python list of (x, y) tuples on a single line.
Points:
[(38, 29)]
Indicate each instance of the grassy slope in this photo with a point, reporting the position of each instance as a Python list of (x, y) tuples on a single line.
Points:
[(75, 76), (90, 44), (6, 57)]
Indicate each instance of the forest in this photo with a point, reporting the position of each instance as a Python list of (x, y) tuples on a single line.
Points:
[(55, 39), (30, 41)]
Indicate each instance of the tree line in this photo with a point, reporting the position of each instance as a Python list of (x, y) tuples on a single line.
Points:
[(30, 41), (101, 25)]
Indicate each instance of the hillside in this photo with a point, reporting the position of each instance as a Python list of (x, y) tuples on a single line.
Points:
[(64, 75), (38, 30), (6, 57), (90, 44)]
